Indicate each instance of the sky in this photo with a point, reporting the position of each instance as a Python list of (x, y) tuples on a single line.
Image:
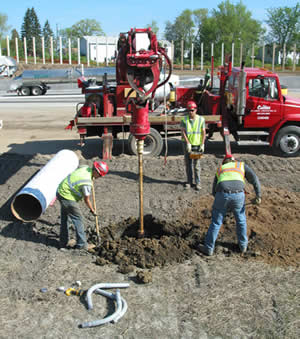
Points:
[(117, 16)]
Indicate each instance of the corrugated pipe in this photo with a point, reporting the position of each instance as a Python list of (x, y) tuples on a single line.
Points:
[(34, 198), (121, 303)]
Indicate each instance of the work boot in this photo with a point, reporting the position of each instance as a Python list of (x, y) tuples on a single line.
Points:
[(187, 186), (205, 250), (71, 243), (90, 247), (243, 250), (198, 187)]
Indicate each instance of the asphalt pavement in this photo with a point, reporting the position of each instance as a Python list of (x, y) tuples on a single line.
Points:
[(291, 81)]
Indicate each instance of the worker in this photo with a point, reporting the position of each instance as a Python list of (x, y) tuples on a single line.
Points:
[(72, 189), (228, 190), (193, 137)]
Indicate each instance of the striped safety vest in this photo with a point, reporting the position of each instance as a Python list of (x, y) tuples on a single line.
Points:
[(69, 188), (231, 171), (194, 132)]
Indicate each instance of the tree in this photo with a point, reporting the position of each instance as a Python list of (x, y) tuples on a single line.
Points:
[(182, 29), (170, 33), (14, 36), (231, 24), (154, 27), (81, 28), (3, 26), (31, 28), (86, 27), (47, 33), (284, 23)]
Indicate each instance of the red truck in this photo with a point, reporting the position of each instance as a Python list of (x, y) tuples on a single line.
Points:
[(249, 104), (256, 109)]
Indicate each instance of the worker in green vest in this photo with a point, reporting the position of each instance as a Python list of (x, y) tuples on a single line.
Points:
[(193, 138), (75, 187), (228, 190)]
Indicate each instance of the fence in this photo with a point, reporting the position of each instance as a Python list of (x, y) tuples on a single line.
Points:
[(61, 52)]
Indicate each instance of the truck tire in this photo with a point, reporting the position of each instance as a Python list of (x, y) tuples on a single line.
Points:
[(36, 91), (25, 91), (153, 144), (287, 141)]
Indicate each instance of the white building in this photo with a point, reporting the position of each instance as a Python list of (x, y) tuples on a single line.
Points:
[(99, 48), (104, 48)]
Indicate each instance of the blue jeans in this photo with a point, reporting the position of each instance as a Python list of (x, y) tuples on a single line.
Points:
[(192, 166), (70, 211), (236, 203)]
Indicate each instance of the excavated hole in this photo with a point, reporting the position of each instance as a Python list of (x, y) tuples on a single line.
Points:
[(162, 243)]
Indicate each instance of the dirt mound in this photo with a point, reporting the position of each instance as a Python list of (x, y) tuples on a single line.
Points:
[(273, 230), (162, 243), (273, 227)]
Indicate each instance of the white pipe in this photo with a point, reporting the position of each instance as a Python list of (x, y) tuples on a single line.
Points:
[(113, 296), (100, 286), (33, 199), (120, 309), (108, 319)]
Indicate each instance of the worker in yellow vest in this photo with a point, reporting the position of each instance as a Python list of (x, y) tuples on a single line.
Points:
[(228, 190), (193, 138), (75, 187)]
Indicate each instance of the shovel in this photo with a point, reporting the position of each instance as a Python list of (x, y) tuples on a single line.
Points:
[(96, 217)]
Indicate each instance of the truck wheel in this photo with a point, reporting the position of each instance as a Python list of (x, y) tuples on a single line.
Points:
[(36, 91), (287, 141), (153, 144), (25, 91)]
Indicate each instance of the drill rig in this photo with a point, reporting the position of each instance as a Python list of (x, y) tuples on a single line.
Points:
[(139, 64), (138, 68), (142, 67)]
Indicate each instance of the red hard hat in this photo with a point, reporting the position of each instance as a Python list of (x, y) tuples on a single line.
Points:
[(191, 105), (228, 157), (101, 167)]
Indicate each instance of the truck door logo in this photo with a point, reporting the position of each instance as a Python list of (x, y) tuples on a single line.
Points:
[(263, 112), (263, 107)]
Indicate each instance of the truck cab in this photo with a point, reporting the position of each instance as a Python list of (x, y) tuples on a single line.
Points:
[(259, 111)]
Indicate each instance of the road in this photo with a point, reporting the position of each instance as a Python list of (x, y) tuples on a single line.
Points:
[(28, 119)]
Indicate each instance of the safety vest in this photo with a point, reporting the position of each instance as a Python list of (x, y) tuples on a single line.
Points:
[(231, 171), (194, 132), (69, 188)]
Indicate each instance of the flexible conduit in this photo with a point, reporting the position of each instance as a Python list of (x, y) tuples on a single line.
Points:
[(121, 303)]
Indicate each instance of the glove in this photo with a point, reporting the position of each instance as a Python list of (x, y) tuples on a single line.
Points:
[(189, 148), (94, 214), (257, 201), (202, 148)]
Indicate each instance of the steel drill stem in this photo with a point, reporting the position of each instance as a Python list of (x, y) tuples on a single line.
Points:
[(140, 145)]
